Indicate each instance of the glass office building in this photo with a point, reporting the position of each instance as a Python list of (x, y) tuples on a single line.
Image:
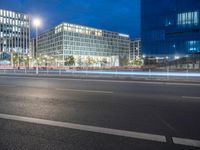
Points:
[(14, 32), (82, 42), (170, 27)]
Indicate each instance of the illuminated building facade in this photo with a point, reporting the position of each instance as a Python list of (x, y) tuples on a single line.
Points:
[(82, 42), (135, 49), (14, 32), (170, 27)]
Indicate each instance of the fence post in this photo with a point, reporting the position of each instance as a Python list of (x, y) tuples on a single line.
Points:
[(167, 73), (37, 70), (86, 73), (187, 73), (132, 73), (149, 73), (59, 71), (116, 73)]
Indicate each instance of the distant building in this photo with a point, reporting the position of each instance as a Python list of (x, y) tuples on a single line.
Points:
[(14, 32), (82, 42), (135, 49), (32, 51), (170, 27)]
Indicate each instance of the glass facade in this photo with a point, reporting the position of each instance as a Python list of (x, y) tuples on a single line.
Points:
[(170, 27), (79, 41), (14, 32)]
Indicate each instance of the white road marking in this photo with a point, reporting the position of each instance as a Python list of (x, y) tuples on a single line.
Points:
[(187, 142), (13, 86), (123, 133), (158, 82), (85, 91), (190, 97), (109, 131)]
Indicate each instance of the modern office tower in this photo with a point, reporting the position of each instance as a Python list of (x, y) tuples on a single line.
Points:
[(32, 51), (84, 43), (14, 32), (170, 27), (135, 49)]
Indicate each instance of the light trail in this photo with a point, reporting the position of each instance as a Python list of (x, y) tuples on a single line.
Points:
[(112, 73), (172, 74)]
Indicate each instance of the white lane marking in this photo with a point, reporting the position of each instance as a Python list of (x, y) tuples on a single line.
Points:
[(123, 133), (190, 97), (186, 142), (8, 86), (159, 82), (85, 91)]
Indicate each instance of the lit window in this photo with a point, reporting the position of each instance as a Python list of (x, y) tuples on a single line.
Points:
[(189, 18), (193, 46)]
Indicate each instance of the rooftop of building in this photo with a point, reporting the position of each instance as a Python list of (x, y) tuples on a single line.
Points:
[(86, 27), (15, 11)]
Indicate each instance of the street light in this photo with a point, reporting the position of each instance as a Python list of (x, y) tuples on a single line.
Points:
[(177, 57)]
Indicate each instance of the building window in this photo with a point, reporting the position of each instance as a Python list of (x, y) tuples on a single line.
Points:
[(188, 18), (193, 46)]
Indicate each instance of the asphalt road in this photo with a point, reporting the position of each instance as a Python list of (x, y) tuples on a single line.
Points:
[(39, 113)]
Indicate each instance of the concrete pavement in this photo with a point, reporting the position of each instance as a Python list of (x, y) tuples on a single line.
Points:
[(168, 110)]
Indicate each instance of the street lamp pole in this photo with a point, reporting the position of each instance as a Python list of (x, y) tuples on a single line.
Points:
[(36, 39), (36, 23)]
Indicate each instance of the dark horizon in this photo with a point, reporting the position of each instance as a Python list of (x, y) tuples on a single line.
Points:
[(122, 16)]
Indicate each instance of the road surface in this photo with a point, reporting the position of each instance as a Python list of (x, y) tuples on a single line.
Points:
[(76, 114)]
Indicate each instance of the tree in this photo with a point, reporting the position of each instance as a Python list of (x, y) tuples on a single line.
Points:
[(15, 58), (90, 61), (70, 61), (136, 62), (26, 60), (104, 61), (125, 62), (79, 61)]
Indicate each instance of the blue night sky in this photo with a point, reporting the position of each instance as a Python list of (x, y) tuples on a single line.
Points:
[(115, 15)]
